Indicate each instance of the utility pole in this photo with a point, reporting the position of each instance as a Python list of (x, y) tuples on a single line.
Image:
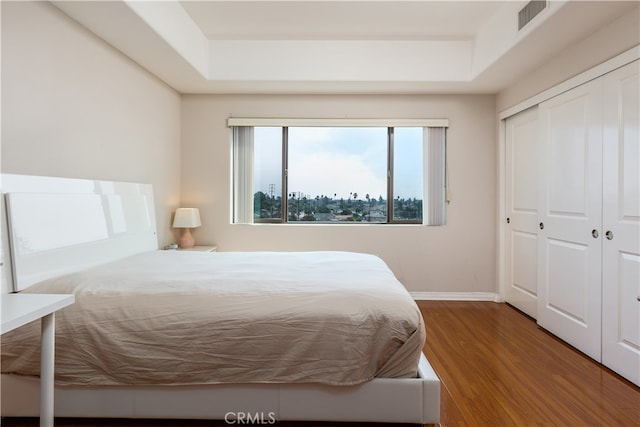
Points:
[(272, 191)]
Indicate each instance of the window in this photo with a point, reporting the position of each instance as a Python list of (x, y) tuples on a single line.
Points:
[(337, 174), (346, 174)]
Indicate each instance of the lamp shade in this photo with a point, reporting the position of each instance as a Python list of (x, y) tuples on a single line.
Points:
[(187, 218)]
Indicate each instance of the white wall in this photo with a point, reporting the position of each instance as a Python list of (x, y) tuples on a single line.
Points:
[(457, 257), (611, 40), (72, 106)]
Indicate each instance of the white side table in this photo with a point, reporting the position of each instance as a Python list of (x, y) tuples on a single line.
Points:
[(19, 309)]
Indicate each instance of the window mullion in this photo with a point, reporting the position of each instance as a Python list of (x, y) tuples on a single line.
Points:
[(389, 175), (285, 174)]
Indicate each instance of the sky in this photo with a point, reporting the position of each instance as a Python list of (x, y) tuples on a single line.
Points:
[(340, 161)]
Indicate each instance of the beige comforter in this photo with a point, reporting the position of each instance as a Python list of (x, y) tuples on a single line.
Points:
[(167, 317)]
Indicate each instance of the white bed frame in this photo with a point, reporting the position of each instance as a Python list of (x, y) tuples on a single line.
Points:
[(55, 226)]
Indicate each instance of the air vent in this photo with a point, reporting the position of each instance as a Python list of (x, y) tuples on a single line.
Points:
[(530, 11)]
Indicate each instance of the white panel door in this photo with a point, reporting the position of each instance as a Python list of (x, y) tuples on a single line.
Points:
[(621, 223), (570, 215), (522, 210)]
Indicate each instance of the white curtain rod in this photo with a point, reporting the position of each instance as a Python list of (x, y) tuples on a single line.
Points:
[(247, 121)]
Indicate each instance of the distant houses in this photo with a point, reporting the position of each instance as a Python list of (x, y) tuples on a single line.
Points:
[(303, 208)]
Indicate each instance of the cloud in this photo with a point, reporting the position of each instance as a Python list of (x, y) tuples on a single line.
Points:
[(328, 173), (328, 161)]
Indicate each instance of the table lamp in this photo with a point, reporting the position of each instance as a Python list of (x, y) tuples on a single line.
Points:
[(186, 218)]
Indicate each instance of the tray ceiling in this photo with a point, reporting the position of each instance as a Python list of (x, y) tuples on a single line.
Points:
[(333, 46)]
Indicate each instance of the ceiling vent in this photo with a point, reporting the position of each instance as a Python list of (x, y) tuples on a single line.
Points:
[(530, 11)]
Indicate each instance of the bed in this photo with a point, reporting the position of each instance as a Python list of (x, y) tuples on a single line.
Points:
[(292, 336)]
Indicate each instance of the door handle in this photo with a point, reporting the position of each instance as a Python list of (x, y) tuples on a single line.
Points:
[(609, 235), (542, 226), (594, 233)]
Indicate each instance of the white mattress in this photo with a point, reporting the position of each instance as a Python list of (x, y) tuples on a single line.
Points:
[(177, 318)]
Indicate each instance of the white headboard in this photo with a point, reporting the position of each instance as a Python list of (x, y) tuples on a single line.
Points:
[(56, 226)]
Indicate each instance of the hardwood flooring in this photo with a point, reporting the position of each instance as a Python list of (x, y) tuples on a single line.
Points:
[(497, 367)]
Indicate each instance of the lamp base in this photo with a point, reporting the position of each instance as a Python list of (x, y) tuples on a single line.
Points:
[(186, 241)]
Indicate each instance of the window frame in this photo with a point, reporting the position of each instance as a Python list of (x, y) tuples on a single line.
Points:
[(390, 125), (390, 182)]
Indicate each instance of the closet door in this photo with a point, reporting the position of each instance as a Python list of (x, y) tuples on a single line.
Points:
[(522, 210), (621, 224), (570, 217)]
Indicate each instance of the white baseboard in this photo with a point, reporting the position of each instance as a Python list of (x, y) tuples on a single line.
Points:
[(456, 296)]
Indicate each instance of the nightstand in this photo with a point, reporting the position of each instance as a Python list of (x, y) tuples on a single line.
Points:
[(20, 309), (200, 249)]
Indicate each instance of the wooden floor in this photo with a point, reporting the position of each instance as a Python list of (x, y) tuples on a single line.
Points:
[(497, 369)]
